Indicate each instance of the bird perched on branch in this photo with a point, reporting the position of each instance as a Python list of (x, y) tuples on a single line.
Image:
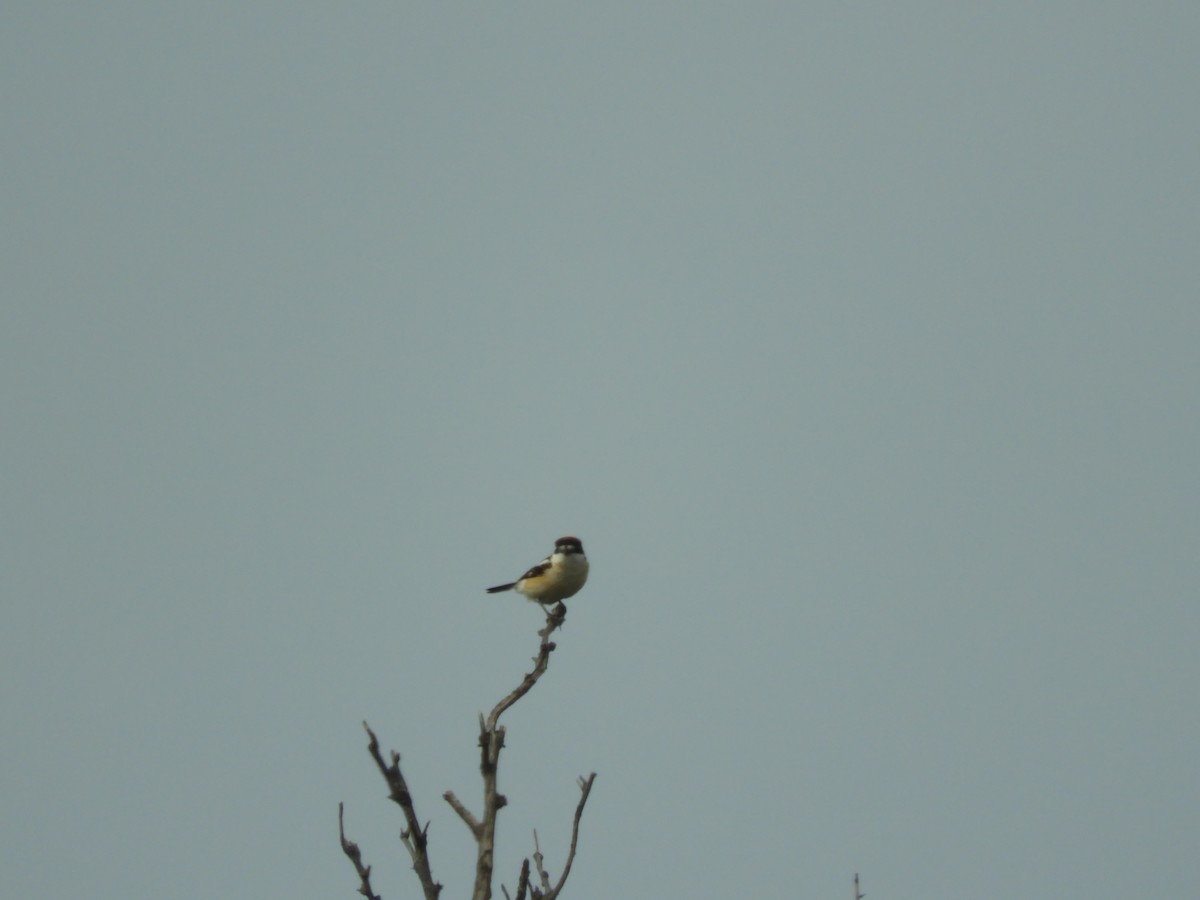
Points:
[(557, 577)]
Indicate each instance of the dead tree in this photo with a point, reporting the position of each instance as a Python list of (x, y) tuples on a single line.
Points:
[(415, 837)]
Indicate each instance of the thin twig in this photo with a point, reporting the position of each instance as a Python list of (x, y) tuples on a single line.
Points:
[(555, 618), (585, 787), (463, 813), (415, 837), (351, 850), (523, 881), (537, 861)]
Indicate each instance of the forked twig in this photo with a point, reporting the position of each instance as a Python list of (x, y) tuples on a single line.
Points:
[(415, 837)]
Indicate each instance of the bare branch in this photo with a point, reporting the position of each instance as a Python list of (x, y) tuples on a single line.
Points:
[(537, 861), (523, 881), (415, 837), (463, 813), (491, 742), (555, 618), (585, 787), (351, 850)]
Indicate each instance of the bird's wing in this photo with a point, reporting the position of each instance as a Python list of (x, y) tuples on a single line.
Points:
[(540, 569)]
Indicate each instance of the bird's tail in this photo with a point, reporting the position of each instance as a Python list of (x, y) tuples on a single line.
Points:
[(501, 587)]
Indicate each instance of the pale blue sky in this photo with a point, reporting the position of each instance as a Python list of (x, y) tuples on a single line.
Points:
[(857, 342)]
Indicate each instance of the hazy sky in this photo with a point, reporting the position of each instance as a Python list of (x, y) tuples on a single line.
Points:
[(858, 342)]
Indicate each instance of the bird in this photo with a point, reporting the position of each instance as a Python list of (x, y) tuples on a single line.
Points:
[(557, 577)]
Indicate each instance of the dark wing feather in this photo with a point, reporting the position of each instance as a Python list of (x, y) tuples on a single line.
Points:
[(537, 570)]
